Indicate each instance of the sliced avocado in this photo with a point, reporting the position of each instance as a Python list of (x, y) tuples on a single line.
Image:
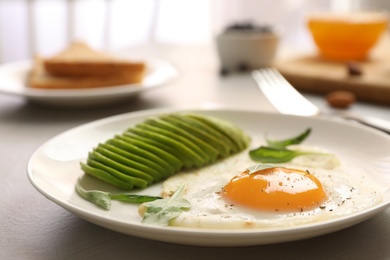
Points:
[(140, 135), (106, 177), (173, 161), (136, 158), (194, 157), (129, 163), (197, 130), (168, 169), (98, 157), (208, 149), (137, 182), (161, 146), (188, 143), (231, 131), (211, 130)]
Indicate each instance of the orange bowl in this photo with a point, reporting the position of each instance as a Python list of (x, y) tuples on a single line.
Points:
[(347, 36)]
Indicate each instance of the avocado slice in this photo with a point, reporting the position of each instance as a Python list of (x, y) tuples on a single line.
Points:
[(231, 131), (136, 158), (187, 143), (173, 161), (106, 177), (208, 149), (139, 134), (98, 157), (197, 130), (197, 160), (137, 182), (211, 130), (129, 163), (167, 169)]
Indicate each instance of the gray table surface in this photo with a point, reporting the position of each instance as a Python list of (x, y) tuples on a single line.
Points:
[(33, 227)]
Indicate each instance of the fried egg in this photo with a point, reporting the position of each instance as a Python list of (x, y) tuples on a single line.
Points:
[(275, 189), (307, 190)]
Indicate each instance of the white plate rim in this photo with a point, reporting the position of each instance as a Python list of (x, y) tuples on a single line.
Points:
[(163, 69), (211, 237)]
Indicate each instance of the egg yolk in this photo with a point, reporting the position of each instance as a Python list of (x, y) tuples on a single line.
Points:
[(275, 189)]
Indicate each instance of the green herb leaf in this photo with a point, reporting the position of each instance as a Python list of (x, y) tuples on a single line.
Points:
[(103, 199), (266, 154), (133, 198), (294, 140), (160, 212), (99, 198)]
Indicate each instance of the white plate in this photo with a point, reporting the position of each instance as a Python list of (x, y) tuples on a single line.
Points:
[(13, 81), (54, 169)]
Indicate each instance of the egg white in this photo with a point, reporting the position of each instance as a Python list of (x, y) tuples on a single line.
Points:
[(347, 194)]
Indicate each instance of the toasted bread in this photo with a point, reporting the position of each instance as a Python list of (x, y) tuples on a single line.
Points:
[(79, 66), (81, 60), (40, 78)]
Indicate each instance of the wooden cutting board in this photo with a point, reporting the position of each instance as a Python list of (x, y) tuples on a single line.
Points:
[(313, 74)]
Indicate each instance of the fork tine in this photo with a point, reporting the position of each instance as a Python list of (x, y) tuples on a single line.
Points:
[(282, 95), (285, 88), (271, 89)]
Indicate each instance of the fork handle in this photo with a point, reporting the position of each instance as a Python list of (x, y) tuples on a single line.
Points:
[(375, 122)]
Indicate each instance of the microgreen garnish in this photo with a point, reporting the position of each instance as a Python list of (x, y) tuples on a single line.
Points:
[(266, 154), (290, 141), (99, 198), (277, 152), (103, 198), (133, 198), (160, 212)]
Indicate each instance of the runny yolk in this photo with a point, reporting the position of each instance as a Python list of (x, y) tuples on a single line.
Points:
[(275, 189)]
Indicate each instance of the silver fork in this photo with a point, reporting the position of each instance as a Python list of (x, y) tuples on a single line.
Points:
[(287, 100)]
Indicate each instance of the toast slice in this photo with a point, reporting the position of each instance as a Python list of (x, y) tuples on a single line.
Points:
[(80, 66), (40, 78), (81, 60)]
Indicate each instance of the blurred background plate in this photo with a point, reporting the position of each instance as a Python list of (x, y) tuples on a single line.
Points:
[(13, 81)]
